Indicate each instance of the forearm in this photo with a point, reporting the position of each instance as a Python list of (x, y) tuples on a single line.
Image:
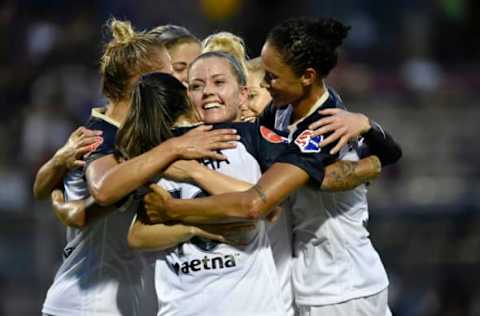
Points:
[(381, 144), (158, 236), (272, 188), (217, 183), (123, 178), (48, 177), (345, 175)]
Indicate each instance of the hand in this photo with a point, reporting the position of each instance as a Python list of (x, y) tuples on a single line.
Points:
[(233, 233), (343, 125), (199, 232), (247, 115), (69, 213), (274, 214), (155, 204), (203, 142), (82, 141), (181, 170)]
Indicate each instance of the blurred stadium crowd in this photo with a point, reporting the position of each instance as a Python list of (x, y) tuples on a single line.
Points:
[(411, 65)]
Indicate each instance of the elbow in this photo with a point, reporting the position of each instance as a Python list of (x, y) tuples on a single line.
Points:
[(38, 195), (134, 239), (393, 157), (101, 195), (252, 210)]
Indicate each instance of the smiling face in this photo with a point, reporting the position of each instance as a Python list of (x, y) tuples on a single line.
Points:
[(215, 91), (284, 85), (258, 97), (182, 55)]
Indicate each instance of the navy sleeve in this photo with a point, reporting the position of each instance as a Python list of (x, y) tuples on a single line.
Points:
[(269, 145), (304, 151), (108, 145), (381, 144)]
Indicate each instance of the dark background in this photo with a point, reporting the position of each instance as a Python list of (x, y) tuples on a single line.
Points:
[(411, 65)]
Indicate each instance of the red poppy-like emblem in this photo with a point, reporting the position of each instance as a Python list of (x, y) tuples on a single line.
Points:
[(271, 136)]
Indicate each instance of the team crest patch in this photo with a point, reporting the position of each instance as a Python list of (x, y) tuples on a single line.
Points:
[(271, 136), (309, 143)]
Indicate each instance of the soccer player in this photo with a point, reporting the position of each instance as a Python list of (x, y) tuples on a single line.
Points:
[(258, 96), (100, 275), (182, 46), (336, 270)]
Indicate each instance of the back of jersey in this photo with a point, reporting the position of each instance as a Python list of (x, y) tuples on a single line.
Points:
[(100, 275), (201, 277)]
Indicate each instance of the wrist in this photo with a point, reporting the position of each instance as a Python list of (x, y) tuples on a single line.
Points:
[(367, 124), (59, 159), (197, 173), (169, 149)]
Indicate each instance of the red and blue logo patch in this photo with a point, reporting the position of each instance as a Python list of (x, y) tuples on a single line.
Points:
[(271, 136), (309, 143)]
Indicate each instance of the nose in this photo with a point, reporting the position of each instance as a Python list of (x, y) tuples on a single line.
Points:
[(208, 89)]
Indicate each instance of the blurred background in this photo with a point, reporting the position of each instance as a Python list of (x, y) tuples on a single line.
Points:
[(411, 65)]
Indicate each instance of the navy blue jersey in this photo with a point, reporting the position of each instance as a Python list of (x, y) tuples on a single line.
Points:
[(109, 135), (376, 141), (268, 146)]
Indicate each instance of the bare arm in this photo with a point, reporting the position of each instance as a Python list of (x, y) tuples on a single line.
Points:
[(272, 188), (109, 180), (257, 202), (77, 214), (164, 236), (345, 175), (49, 176), (210, 180)]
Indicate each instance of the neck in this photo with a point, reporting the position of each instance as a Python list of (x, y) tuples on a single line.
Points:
[(303, 105), (118, 110)]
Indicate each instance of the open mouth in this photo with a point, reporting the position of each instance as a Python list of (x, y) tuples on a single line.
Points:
[(212, 105)]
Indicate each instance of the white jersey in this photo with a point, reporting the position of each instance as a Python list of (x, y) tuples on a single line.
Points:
[(201, 277), (280, 235), (100, 275), (334, 260)]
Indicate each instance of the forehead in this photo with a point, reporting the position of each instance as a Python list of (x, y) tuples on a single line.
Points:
[(185, 50), (271, 58), (209, 67)]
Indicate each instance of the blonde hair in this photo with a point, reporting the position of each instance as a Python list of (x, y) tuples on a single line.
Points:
[(125, 57), (229, 43), (255, 66)]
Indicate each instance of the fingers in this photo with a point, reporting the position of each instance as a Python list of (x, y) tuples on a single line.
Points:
[(57, 196), (343, 141), (330, 111), (78, 163), (333, 137), (78, 132), (324, 130), (91, 133), (204, 234), (213, 155), (321, 122), (156, 188), (85, 132)]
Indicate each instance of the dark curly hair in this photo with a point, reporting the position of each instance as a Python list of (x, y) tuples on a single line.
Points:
[(309, 42)]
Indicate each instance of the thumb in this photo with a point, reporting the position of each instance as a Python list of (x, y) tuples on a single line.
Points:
[(57, 196), (161, 191)]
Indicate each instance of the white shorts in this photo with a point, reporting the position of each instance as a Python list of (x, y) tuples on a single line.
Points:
[(375, 305)]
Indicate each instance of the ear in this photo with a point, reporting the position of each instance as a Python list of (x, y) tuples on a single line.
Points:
[(243, 95), (309, 77)]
